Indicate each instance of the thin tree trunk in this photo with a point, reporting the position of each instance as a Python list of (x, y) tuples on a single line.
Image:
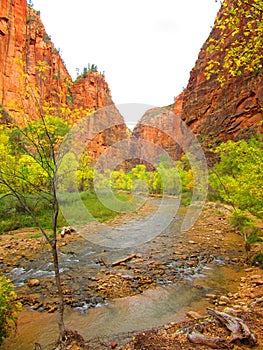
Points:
[(61, 324)]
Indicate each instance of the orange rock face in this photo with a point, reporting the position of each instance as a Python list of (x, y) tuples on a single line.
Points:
[(32, 70), (233, 111), (213, 113), (24, 44)]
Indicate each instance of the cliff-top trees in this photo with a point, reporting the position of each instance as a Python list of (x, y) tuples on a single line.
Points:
[(237, 47)]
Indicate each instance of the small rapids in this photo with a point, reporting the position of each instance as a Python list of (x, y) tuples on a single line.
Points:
[(183, 273)]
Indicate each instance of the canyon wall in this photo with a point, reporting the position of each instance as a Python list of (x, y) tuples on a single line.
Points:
[(214, 113), (32, 71)]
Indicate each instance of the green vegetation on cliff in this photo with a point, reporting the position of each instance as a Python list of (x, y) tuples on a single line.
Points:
[(238, 46)]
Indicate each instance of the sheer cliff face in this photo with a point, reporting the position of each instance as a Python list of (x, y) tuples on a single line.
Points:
[(24, 44), (12, 36), (31, 69), (233, 111), (214, 113)]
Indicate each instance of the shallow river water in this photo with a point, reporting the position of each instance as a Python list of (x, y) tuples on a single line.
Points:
[(152, 308)]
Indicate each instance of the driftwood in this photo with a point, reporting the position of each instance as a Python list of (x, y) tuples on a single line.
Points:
[(128, 258), (102, 261), (235, 325), (214, 343)]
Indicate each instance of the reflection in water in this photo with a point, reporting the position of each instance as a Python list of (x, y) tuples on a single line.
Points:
[(150, 309)]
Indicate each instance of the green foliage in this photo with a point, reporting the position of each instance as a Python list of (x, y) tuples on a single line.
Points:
[(46, 38), (238, 180), (238, 177), (239, 40), (9, 308), (91, 68), (254, 238), (13, 216), (85, 173), (25, 154), (258, 260), (241, 220), (170, 178)]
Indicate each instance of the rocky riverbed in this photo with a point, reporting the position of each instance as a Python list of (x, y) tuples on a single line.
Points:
[(245, 304), (92, 275)]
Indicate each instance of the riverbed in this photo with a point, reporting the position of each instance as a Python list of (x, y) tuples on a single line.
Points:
[(170, 274)]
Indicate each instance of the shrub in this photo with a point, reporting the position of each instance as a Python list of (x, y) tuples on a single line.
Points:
[(9, 308)]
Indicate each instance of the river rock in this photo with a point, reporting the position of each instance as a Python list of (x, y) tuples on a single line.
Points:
[(232, 311), (194, 315), (33, 282), (224, 299), (211, 296), (192, 242)]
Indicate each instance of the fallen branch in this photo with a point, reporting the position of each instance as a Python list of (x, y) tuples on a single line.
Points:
[(235, 325), (128, 258), (214, 343), (102, 261)]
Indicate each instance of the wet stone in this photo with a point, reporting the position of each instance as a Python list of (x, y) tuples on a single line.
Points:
[(224, 299), (194, 315), (33, 282)]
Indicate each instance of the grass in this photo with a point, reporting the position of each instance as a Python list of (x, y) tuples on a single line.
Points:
[(13, 216)]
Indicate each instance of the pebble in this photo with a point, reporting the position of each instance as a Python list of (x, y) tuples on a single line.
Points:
[(194, 315), (211, 296), (224, 299), (33, 282), (255, 277), (52, 309), (249, 269), (231, 311)]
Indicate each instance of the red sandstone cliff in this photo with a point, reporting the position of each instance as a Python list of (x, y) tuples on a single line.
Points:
[(24, 46), (31, 70), (213, 113)]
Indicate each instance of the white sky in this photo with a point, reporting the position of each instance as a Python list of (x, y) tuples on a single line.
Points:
[(146, 47)]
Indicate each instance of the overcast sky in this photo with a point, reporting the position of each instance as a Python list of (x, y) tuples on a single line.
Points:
[(146, 47)]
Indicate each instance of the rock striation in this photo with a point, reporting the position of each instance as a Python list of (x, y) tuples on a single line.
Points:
[(32, 70), (214, 113)]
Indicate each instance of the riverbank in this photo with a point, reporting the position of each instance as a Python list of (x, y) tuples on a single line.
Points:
[(94, 276), (201, 331)]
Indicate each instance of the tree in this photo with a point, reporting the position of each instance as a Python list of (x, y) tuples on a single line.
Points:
[(236, 47), (85, 172), (238, 177), (30, 160), (37, 143)]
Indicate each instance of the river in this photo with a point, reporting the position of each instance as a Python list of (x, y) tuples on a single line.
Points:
[(183, 286)]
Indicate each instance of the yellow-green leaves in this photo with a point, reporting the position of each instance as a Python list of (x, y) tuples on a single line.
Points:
[(238, 48), (9, 307), (238, 177)]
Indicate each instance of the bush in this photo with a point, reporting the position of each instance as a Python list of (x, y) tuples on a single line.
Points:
[(241, 220), (258, 260), (9, 308), (237, 178)]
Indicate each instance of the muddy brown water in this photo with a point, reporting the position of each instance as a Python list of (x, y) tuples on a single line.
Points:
[(169, 301)]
